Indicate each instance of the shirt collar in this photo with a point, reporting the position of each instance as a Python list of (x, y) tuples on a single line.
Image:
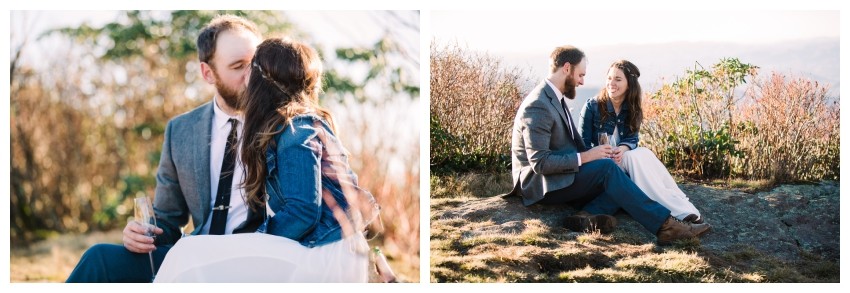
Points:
[(220, 118), (555, 89)]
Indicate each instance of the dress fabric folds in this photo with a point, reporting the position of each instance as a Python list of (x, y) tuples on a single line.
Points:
[(263, 258)]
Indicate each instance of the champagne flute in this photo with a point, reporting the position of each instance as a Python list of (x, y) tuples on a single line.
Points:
[(614, 147), (144, 215), (604, 139)]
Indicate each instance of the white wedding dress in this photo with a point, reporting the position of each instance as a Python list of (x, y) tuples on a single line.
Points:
[(652, 177), (263, 258)]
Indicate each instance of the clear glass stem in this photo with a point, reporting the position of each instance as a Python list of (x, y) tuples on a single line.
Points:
[(153, 272)]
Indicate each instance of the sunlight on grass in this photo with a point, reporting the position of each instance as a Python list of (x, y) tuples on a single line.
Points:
[(584, 273), (486, 238), (753, 277), (469, 185), (751, 184), (53, 260), (448, 202), (592, 237), (589, 274), (474, 263), (451, 222), (503, 254), (476, 247), (667, 261), (535, 232), (670, 266)]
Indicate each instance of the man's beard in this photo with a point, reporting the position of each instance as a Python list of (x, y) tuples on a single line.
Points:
[(229, 95), (570, 87)]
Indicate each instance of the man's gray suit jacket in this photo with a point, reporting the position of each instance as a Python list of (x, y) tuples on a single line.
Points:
[(183, 177), (543, 152)]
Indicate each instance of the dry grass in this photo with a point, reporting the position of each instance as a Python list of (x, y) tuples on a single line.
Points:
[(52, 260), (469, 185), (464, 250)]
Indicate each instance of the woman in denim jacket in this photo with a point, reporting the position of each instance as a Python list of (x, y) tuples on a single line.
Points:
[(297, 174), (616, 112)]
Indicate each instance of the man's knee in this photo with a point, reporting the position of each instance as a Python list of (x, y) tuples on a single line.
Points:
[(608, 165), (603, 165), (92, 265), (102, 248), (102, 251)]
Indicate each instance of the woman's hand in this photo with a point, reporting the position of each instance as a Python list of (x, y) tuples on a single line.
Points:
[(618, 153)]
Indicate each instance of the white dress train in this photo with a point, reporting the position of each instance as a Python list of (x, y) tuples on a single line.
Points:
[(652, 177), (263, 258)]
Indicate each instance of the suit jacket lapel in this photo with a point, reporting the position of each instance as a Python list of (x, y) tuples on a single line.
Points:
[(553, 99), (203, 129)]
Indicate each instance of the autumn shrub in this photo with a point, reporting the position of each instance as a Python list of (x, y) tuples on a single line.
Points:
[(789, 131), (689, 121), (390, 170), (474, 98), (712, 123)]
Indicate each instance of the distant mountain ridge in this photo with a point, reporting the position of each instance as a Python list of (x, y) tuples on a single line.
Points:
[(816, 59)]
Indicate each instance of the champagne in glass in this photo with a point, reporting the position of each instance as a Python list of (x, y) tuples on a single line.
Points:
[(613, 144), (604, 139), (144, 215)]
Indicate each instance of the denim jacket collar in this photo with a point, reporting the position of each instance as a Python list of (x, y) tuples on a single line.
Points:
[(623, 107)]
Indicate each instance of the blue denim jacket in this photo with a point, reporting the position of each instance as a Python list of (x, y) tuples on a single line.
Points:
[(297, 176), (591, 124)]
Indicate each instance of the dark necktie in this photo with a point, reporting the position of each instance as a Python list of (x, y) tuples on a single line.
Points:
[(225, 183), (569, 118)]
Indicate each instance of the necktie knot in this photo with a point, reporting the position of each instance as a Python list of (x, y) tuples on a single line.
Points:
[(233, 124)]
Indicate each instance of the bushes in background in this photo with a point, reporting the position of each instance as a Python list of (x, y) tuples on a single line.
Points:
[(723, 122), (705, 126), (473, 103)]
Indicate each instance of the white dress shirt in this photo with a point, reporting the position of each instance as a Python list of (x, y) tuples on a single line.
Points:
[(569, 116), (238, 212)]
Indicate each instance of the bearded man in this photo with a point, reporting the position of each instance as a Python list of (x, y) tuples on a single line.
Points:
[(198, 176)]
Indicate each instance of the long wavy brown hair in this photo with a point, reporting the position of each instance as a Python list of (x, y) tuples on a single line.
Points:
[(633, 95), (285, 81)]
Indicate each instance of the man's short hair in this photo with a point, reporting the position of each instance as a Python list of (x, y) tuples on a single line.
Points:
[(565, 54), (221, 23)]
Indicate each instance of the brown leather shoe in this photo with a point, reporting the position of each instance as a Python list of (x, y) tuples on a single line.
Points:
[(673, 230), (585, 222)]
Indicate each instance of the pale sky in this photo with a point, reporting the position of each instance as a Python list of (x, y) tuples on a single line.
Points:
[(511, 31)]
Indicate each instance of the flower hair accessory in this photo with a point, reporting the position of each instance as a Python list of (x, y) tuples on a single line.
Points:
[(628, 71), (269, 79)]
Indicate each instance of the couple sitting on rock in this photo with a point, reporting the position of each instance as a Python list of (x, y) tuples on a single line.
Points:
[(554, 162)]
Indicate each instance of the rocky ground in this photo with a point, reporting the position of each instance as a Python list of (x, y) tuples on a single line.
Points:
[(789, 225)]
